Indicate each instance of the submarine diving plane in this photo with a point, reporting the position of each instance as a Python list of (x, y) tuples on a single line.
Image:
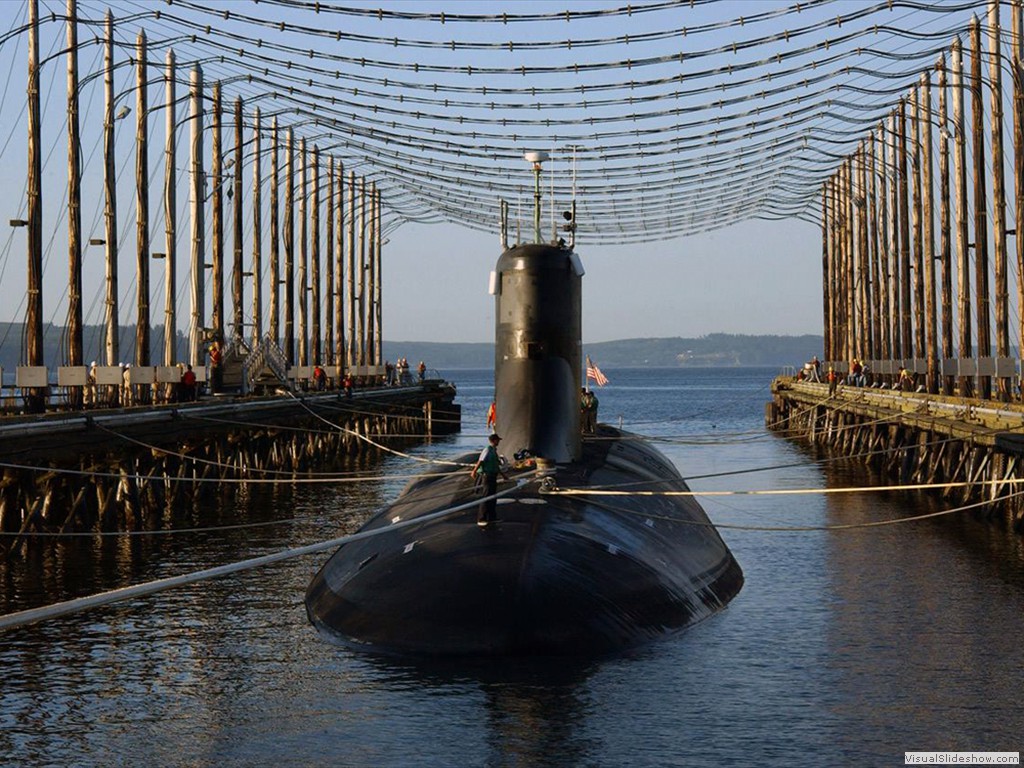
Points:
[(559, 572)]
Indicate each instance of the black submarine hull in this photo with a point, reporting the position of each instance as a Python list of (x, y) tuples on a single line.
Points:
[(558, 574)]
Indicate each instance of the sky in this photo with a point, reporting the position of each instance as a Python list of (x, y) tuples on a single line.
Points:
[(755, 277), (651, 271)]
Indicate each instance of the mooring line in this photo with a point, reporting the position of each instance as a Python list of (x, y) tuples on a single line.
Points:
[(42, 613), (790, 491), (371, 442), (810, 528), (340, 477)]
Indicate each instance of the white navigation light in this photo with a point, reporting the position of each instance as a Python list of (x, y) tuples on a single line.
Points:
[(536, 157)]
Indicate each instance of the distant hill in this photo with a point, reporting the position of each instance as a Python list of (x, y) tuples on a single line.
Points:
[(712, 351), (715, 350)]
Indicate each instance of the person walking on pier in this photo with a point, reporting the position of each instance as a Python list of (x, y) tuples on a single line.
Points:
[(188, 385), (490, 466), (833, 381), (90, 386), (216, 374)]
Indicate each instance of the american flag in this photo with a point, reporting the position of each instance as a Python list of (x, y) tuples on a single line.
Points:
[(594, 373)]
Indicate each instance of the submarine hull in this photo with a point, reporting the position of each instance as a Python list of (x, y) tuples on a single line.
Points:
[(557, 574)]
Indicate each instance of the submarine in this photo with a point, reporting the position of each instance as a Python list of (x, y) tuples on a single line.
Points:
[(563, 570)]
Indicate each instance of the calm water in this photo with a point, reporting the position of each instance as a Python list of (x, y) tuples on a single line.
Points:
[(844, 647)]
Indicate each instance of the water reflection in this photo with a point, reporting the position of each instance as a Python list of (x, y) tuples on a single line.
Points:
[(921, 612), (534, 710)]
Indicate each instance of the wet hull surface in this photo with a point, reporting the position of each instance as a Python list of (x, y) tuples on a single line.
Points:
[(557, 574)]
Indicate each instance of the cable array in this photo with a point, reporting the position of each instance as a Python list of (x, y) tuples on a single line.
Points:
[(679, 117)]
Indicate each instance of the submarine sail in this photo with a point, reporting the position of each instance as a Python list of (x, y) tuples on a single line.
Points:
[(560, 572)]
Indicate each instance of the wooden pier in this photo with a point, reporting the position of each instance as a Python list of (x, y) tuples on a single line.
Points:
[(135, 468), (976, 446)]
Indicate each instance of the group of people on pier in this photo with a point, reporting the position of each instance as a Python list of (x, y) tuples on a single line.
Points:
[(398, 375), (858, 375)]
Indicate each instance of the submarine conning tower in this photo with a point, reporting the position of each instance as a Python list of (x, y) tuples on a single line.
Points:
[(538, 307)]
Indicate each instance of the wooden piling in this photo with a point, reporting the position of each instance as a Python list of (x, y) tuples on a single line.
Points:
[(339, 266), (826, 269), (965, 384), (111, 345), (982, 292), (920, 342), (361, 314), (885, 261), (275, 257), (328, 355), (303, 255), (237, 267), (35, 401), (874, 351), (314, 281), (197, 205), (257, 231), (906, 327), (895, 313), (931, 334), (74, 327), (289, 249), (142, 336), (170, 212), (1001, 286), (353, 356), (217, 169), (945, 248)]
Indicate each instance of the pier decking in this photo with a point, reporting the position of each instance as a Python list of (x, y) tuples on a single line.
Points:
[(122, 469), (916, 437)]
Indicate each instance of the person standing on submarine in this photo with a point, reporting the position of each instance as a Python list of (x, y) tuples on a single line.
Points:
[(490, 466)]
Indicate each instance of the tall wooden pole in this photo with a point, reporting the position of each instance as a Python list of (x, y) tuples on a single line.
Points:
[(217, 276), (980, 208), (945, 233), (920, 342), (826, 270), (329, 268), (237, 265), (1017, 16), (75, 352), (315, 260), (895, 293), (361, 315), (142, 356), (378, 252), (289, 248), (275, 265), (353, 355), (1002, 296), (111, 331), (884, 269), (371, 269), (862, 338), (836, 266), (257, 232), (36, 401), (197, 195), (874, 254), (303, 256), (339, 277), (906, 325), (931, 334), (964, 383), (170, 213)]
